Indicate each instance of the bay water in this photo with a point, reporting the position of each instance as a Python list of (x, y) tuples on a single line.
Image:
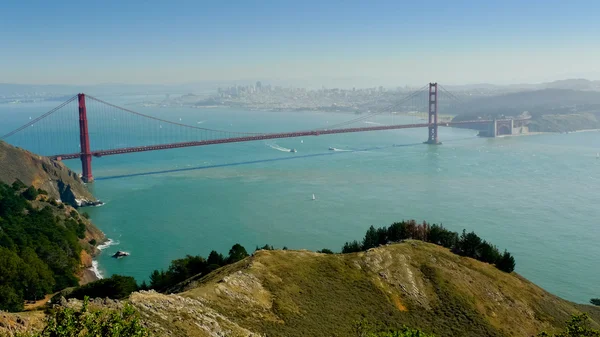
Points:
[(536, 196)]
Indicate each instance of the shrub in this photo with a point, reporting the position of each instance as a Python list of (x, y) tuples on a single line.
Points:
[(92, 242), (41, 191), (30, 193), (576, 327), (18, 185), (325, 251), (595, 301), (265, 247), (115, 287), (67, 322), (85, 215)]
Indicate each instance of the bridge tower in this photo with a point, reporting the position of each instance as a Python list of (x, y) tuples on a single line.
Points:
[(433, 114), (84, 142)]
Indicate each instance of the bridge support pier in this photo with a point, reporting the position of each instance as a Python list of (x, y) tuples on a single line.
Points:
[(84, 142), (433, 115)]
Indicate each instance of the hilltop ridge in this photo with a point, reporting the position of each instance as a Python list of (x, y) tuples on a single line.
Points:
[(303, 293)]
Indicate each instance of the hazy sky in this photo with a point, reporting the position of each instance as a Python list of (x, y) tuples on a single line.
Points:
[(391, 42)]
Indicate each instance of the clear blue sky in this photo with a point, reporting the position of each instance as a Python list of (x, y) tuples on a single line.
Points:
[(393, 42)]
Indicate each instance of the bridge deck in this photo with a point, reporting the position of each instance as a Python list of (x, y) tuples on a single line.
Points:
[(101, 153)]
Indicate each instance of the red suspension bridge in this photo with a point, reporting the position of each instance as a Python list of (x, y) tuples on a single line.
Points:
[(117, 130)]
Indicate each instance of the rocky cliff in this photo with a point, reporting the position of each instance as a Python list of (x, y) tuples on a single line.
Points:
[(52, 176)]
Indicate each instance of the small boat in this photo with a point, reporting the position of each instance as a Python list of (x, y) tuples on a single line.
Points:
[(313, 198), (120, 254), (331, 148), (293, 150)]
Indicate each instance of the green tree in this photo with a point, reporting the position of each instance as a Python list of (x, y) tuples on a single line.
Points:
[(468, 244), (595, 301), (10, 300), (382, 236), (371, 239), (36, 278), (215, 258), (486, 252), (397, 231), (351, 247), (506, 263), (577, 326), (237, 253)]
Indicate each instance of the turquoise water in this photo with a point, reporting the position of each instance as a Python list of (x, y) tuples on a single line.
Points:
[(536, 196)]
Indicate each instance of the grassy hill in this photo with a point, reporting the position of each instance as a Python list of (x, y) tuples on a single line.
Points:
[(302, 293)]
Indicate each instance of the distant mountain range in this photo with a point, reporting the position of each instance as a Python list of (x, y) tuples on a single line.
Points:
[(9, 89), (572, 84)]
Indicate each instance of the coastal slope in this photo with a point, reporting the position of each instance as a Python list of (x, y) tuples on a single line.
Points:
[(60, 183), (52, 176), (302, 293)]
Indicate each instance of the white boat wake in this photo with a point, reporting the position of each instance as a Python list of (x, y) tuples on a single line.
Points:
[(279, 148)]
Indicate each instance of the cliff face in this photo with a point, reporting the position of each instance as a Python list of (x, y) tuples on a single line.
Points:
[(52, 176)]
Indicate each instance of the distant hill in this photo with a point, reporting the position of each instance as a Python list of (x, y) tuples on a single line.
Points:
[(552, 110), (52, 176)]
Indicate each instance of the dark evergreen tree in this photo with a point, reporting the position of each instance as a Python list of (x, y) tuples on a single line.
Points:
[(397, 231), (351, 247), (488, 253), (382, 237), (468, 244), (237, 253), (215, 258), (506, 262), (371, 238)]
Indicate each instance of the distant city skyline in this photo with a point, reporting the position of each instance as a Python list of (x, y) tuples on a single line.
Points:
[(308, 43)]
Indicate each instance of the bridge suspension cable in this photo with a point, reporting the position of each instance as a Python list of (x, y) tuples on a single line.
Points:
[(389, 108), (32, 122), (171, 122)]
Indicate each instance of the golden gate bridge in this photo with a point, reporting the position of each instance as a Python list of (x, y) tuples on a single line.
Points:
[(100, 128)]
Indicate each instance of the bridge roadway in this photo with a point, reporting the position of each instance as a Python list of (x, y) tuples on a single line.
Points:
[(101, 153)]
